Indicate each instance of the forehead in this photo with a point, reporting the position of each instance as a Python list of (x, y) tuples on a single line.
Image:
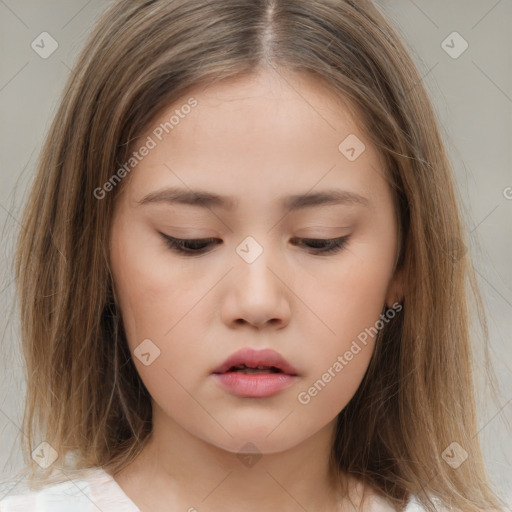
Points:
[(270, 102), (256, 136)]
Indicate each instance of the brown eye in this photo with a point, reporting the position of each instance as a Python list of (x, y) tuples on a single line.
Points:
[(200, 245), (324, 246), (190, 246)]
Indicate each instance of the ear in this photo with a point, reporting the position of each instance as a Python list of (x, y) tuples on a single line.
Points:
[(396, 288)]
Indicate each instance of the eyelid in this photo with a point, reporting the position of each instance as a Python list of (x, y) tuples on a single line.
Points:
[(178, 245)]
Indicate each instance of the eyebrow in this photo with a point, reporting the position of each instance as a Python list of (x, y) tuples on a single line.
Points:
[(211, 200)]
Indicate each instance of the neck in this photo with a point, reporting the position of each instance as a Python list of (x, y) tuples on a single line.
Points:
[(178, 471)]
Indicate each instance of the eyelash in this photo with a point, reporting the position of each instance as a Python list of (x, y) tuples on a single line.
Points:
[(186, 246)]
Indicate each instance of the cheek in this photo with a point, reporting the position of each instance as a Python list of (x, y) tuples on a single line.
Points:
[(160, 297), (349, 296), (153, 292), (324, 396), (349, 293)]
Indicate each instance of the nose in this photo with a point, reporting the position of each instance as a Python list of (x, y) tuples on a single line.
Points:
[(257, 293)]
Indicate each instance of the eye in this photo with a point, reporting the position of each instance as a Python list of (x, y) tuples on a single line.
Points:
[(199, 246), (324, 246), (189, 247)]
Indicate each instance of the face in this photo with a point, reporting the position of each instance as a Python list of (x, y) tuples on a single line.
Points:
[(295, 256)]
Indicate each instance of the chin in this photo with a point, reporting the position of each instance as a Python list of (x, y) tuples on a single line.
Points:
[(255, 444), (262, 437)]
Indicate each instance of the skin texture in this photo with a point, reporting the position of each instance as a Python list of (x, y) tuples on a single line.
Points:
[(258, 139)]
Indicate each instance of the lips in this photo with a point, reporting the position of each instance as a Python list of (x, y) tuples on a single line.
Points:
[(258, 374), (251, 361)]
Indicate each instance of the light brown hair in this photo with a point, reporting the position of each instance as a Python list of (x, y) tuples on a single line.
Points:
[(84, 395)]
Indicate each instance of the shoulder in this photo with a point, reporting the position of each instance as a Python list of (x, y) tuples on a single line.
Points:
[(95, 490), (414, 505), (365, 497), (376, 502), (76, 492)]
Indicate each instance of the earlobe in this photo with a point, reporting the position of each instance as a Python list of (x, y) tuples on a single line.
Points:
[(396, 288)]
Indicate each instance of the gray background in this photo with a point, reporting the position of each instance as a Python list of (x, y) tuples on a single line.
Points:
[(472, 95)]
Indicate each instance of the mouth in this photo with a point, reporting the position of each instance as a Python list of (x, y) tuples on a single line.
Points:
[(242, 368), (254, 362), (255, 374)]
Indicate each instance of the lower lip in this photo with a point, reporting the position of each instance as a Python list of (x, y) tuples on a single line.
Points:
[(257, 385)]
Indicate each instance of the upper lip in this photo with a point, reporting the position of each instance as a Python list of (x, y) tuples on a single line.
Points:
[(253, 358)]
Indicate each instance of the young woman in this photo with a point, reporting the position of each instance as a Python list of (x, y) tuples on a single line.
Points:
[(238, 276)]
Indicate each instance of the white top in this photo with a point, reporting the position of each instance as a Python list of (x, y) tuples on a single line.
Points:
[(100, 492)]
